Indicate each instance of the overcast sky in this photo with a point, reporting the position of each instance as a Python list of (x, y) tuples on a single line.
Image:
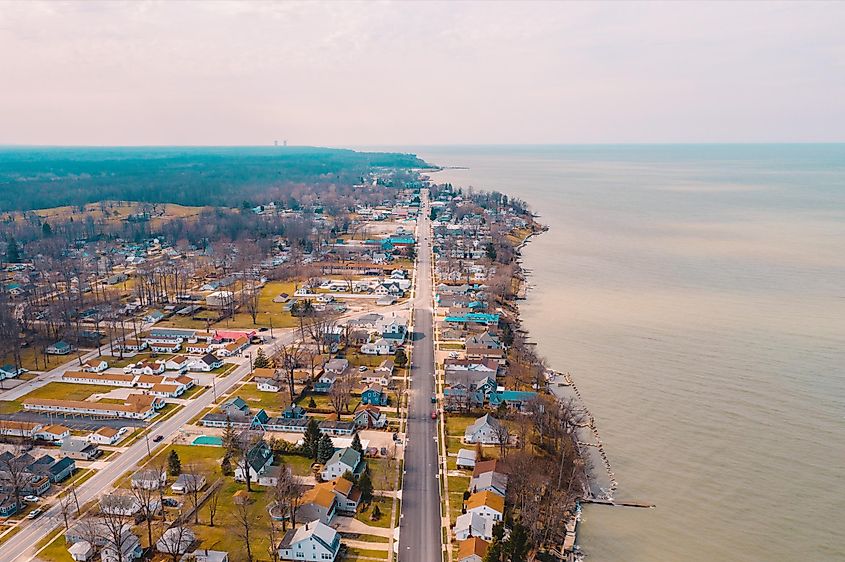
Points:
[(344, 73)]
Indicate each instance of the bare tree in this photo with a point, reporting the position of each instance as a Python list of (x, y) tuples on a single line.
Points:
[(176, 541), (113, 515), (213, 500), (148, 501), (288, 493), (503, 435), (287, 358), (193, 479), (245, 521), (243, 447)]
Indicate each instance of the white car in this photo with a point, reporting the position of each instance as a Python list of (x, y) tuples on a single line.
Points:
[(453, 355), (34, 513), (31, 499)]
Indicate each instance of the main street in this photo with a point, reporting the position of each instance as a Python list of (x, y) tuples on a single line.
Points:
[(419, 536)]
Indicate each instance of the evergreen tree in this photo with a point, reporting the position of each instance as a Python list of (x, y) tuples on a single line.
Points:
[(174, 465), (46, 230), (311, 440), (13, 252), (312, 403), (261, 360), (226, 466), (366, 486), (356, 444), (401, 359), (325, 449), (376, 514), (230, 437)]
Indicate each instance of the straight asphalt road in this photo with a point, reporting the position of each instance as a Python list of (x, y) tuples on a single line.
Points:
[(419, 535)]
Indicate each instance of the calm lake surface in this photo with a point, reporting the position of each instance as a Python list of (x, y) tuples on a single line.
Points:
[(697, 296)]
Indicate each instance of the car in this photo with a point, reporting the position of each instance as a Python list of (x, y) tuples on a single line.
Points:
[(158, 438), (384, 451), (434, 415), (453, 355), (35, 513), (31, 499), (262, 329), (169, 502)]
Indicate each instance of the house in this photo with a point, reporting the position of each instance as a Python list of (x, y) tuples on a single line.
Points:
[(129, 548), (515, 399), (165, 347), (131, 345), (145, 368), (486, 504), (318, 504), (205, 555), (9, 371), (178, 363), (466, 458), (59, 348), (490, 481), (150, 479), (473, 525), (8, 505), (485, 346), (176, 540), (369, 417), (312, 542), (332, 427), (395, 330), (348, 495), (79, 450), (473, 549), (341, 461), (206, 363), (94, 366), (53, 433), (293, 412), (15, 428), (381, 346), (484, 430), (135, 406), (153, 316), (369, 376), (62, 469), (493, 465), (374, 394), (233, 348), (268, 385), (258, 460), (106, 436), (81, 551), (236, 404), (188, 483)]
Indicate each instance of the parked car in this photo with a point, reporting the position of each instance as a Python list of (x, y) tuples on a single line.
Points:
[(31, 499), (384, 451), (434, 415), (35, 513), (169, 502)]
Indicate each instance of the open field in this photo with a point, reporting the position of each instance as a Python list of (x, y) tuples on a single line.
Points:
[(272, 402), (28, 360), (267, 309)]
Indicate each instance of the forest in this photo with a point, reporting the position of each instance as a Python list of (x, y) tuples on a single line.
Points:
[(37, 178)]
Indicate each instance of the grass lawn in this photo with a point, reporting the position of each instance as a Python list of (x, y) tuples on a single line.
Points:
[(119, 363), (224, 536), (193, 392), (456, 500), (299, 465), (267, 309), (28, 360), (224, 369), (386, 508), (205, 459), (68, 391), (456, 424), (357, 358), (382, 475), (55, 551), (272, 402), (322, 401), (10, 406), (362, 554)]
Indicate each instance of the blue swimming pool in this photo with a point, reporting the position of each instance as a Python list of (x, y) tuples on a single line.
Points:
[(208, 440)]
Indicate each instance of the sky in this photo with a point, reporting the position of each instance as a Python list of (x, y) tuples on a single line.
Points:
[(420, 73)]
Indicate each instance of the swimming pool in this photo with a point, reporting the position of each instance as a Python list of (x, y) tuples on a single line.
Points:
[(208, 440)]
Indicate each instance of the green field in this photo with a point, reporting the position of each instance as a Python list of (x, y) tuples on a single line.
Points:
[(272, 402), (385, 505)]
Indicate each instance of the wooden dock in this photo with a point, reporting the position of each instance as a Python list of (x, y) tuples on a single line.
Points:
[(620, 504)]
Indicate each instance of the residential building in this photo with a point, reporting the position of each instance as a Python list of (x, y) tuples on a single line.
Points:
[(484, 430), (466, 458), (79, 450), (486, 504), (258, 460), (375, 395), (317, 504), (473, 549), (473, 525), (341, 461), (312, 542), (188, 483), (369, 417), (106, 435)]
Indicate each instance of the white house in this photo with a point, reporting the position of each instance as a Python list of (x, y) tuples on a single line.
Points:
[(473, 525), (53, 433), (95, 366), (486, 504), (206, 363), (466, 458), (178, 363), (268, 385), (259, 459), (379, 347), (106, 435), (484, 430), (313, 542), (150, 479), (341, 461)]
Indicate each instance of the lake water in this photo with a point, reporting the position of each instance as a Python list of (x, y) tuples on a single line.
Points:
[(697, 296)]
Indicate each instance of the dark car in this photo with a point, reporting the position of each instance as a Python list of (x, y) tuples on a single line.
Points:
[(169, 502), (158, 438)]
